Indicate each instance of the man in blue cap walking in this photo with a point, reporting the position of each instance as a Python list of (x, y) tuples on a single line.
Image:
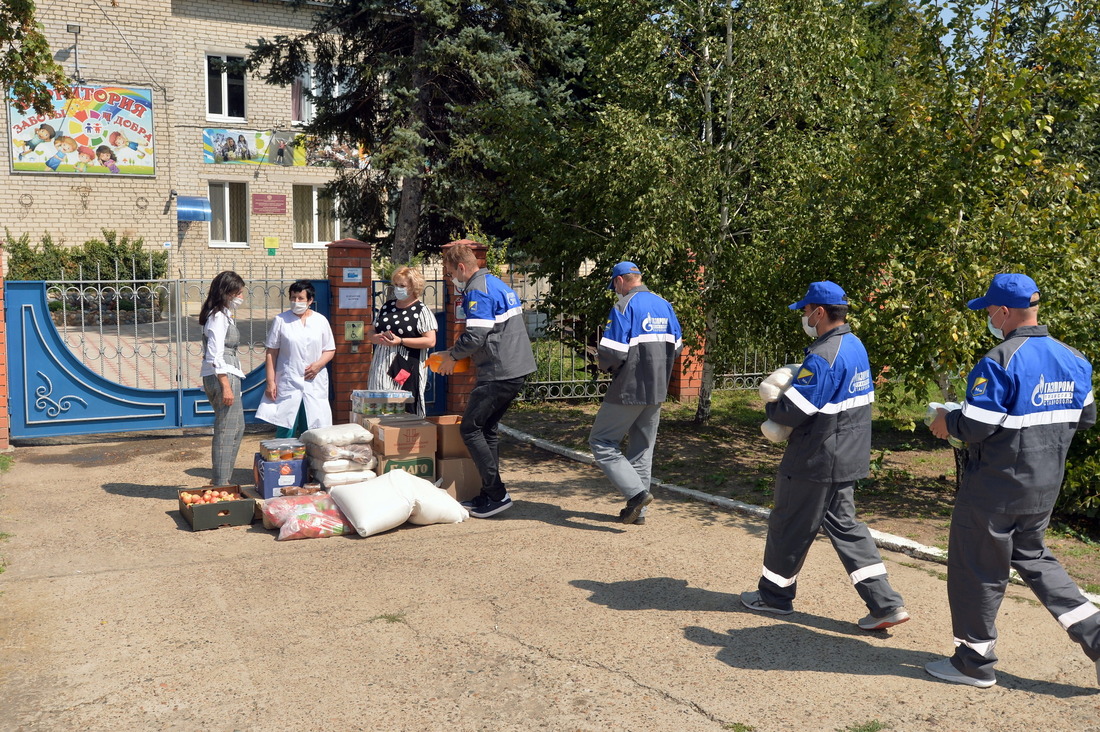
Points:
[(1025, 400), (828, 405), (639, 347)]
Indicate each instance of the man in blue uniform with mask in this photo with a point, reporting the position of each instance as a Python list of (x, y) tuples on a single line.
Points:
[(1025, 400), (828, 405)]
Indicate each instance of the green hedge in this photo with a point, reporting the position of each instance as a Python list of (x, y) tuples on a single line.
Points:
[(95, 259)]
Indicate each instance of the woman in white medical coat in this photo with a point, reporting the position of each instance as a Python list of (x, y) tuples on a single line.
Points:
[(299, 346)]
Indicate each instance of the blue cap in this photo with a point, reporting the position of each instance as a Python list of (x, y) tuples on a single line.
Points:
[(1007, 290), (621, 269), (821, 293)]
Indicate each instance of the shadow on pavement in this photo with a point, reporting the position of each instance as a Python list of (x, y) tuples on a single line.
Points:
[(789, 646)]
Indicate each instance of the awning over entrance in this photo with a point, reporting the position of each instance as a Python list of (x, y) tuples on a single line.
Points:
[(192, 208)]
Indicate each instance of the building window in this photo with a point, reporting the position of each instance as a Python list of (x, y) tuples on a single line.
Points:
[(225, 86), (301, 105), (315, 222), (229, 214)]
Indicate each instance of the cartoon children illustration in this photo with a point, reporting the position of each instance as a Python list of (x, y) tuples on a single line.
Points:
[(65, 146), (118, 141), (242, 148), (107, 158), (44, 133), (85, 155)]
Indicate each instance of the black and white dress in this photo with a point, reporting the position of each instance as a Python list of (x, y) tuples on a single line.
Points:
[(411, 322)]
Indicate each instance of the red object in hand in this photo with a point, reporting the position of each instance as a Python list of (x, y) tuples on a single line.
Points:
[(402, 377)]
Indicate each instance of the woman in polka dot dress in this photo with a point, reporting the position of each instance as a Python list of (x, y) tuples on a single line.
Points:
[(404, 332)]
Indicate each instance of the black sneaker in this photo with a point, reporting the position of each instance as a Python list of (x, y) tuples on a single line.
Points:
[(479, 500), (634, 507), (485, 507), (640, 521)]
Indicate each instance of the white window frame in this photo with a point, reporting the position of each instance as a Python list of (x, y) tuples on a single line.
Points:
[(218, 243), (225, 116), (337, 227)]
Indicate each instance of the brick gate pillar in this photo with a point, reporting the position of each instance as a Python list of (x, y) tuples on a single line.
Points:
[(687, 372), (459, 386), (350, 366)]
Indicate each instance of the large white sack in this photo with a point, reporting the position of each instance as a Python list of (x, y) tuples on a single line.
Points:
[(338, 434), (777, 382), (342, 477), (371, 508), (356, 452), (343, 466), (775, 432), (432, 505)]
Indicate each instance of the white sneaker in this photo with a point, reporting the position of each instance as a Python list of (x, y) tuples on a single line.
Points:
[(944, 669), (897, 616)]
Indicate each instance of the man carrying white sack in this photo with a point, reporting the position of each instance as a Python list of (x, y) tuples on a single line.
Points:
[(639, 347), (1025, 400), (828, 407)]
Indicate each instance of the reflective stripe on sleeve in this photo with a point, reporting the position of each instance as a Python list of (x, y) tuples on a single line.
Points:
[(653, 338), (1019, 421), (480, 323), (1088, 399), (985, 416), (614, 345), (777, 579), (1077, 614), (982, 648), (800, 401), (873, 570)]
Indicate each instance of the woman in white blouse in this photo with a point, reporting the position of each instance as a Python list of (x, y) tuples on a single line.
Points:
[(221, 371), (299, 346)]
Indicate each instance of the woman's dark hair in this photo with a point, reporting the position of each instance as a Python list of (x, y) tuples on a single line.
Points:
[(302, 286), (222, 289)]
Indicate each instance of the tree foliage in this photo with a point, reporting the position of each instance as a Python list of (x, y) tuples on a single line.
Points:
[(28, 69), (436, 90)]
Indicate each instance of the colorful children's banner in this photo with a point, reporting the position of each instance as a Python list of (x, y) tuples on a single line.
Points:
[(277, 147), (95, 130)]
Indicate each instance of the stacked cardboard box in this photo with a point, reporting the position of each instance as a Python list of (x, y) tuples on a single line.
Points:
[(457, 473), (272, 476), (409, 445)]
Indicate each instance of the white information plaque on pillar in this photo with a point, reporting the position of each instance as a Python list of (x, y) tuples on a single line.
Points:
[(354, 298), (353, 275)]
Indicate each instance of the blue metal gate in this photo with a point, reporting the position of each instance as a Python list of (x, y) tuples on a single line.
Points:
[(52, 392)]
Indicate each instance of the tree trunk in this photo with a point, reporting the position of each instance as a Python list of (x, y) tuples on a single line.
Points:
[(408, 219), (412, 186), (706, 388)]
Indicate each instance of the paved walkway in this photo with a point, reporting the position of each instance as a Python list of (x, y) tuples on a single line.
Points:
[(114, 615)]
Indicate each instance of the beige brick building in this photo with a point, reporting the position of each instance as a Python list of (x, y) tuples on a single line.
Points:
[(211, 133)]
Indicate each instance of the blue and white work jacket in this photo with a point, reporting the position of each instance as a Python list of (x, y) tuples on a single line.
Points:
[(639, 347), (829, 407), (496, 337), (1025, 399)]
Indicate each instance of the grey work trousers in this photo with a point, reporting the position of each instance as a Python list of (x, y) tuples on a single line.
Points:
[(981, 549), (802, 507), (629, 471), (228, 428)]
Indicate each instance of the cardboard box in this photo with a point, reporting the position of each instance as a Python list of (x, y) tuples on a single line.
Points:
[(404, 438), (364, 420), (459, 477), (249, 491), (237, 512), (422, 466), (271, 476), (449, 443)]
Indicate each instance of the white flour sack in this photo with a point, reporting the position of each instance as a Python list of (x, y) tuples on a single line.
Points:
[(777, 382), (433, 505), (339, 435), (372, 509), (775, 432), (342, 477)]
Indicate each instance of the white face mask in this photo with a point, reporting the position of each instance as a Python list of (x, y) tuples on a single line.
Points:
[(236, 302), (459, 284), (809, 330), (299, 307), (998, 333), (401, 292)]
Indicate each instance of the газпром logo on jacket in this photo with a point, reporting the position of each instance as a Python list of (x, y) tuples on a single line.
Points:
[(861, 381), (651, 324), (1051, 392)]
